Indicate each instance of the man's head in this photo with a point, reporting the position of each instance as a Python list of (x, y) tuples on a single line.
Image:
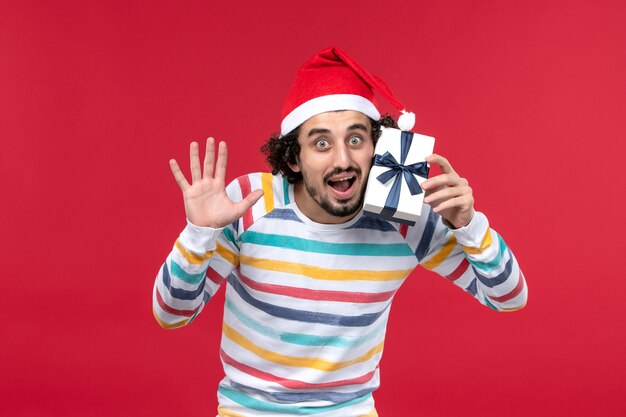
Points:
[(329, 127), (328, 147)]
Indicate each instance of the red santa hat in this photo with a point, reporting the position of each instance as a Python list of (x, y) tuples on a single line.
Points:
[(331, 81)]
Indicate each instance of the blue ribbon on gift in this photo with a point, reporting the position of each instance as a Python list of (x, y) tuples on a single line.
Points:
[(397, 171)]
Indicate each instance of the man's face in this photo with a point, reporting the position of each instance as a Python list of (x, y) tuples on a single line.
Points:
[(336, 150)]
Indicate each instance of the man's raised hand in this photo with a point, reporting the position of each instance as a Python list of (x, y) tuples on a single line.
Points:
[(206, 202)]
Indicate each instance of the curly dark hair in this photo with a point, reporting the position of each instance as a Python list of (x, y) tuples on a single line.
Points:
[(280, 151)]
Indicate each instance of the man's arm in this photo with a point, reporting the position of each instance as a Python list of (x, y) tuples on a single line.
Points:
[(474, 257), (203, 254), (181, 288), (457, 242)]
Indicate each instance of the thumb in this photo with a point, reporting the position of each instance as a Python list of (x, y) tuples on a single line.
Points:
[(248, 201)]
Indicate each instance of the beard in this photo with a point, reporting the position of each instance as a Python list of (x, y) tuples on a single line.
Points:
[(340, 208)]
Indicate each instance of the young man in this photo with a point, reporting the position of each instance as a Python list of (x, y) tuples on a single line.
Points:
[(309, 278)]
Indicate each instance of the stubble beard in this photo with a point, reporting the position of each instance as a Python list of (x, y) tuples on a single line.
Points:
[(343, 208)]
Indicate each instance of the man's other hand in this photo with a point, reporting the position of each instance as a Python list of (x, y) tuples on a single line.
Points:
[(448, 194), (206, 202)]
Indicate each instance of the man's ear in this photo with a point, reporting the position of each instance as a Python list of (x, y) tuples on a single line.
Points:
[(294, 167)]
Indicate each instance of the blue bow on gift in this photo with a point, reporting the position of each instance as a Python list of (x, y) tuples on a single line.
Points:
[(399, 170)]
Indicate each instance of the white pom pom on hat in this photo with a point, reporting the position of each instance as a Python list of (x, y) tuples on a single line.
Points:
[(406, 121), (330, 81)]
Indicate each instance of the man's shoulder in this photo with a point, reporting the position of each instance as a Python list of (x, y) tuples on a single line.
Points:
[(277, 195), (275, 188)]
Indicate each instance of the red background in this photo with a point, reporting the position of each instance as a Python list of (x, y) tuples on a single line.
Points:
[(526, 99)]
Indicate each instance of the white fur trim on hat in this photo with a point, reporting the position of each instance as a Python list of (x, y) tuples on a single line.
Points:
[(324, 104)]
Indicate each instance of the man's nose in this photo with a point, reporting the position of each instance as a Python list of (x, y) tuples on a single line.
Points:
[(343, 158)]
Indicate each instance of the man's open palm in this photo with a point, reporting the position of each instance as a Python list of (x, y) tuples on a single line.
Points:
[(206, 202)]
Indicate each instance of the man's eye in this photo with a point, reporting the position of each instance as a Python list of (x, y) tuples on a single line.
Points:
[(322, 143), (355, 140)]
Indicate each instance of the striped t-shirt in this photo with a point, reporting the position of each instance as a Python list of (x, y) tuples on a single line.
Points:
[(306, 304)]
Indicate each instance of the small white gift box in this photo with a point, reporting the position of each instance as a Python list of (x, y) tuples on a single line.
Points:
[(393, 188)]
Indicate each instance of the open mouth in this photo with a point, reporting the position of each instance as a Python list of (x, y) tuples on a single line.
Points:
[(342, 184)]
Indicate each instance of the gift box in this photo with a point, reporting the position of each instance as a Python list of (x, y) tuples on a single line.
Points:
[(393, 187)]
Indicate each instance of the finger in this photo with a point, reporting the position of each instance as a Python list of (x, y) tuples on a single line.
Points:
[(248, 201), (194, 162), (441, 195), (432, 190), (463, 202), (446, 193), (447, 180), (443, 163), (178, 175), (220, 164), (209, 158)]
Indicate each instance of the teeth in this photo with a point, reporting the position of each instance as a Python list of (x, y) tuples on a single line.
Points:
[(341, 179)]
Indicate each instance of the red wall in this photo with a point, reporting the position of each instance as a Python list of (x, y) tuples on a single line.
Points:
[(525, 98)]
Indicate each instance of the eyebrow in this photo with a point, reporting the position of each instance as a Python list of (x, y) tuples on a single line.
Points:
[(356, 126)]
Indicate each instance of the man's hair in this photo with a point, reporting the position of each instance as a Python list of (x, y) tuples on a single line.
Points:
[(280, 151)]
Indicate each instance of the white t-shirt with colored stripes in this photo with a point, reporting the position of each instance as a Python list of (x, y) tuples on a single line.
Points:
[(306, 304)]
